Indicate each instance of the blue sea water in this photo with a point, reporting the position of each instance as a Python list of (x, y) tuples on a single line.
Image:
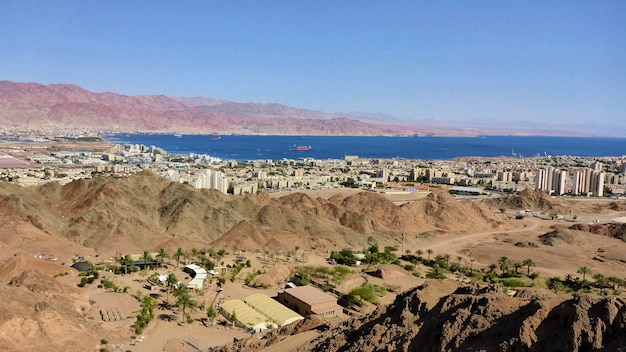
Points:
[(249, 147)]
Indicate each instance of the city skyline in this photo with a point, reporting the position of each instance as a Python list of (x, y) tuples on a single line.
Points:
[(537, 63)]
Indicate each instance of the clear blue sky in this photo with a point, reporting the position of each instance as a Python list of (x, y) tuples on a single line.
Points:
[(538, 61)]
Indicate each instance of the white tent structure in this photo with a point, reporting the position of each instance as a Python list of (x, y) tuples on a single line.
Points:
[(272, 309)]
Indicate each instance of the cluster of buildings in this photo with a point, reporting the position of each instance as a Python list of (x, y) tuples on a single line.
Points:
[(587, 181), (258, 312), (556, 175)]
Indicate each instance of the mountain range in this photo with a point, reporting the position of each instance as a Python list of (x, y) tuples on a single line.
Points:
[(71, 106)]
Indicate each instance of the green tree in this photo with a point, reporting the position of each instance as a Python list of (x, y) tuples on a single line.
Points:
[(517, 265), (171, 281), (179, 253), (601, 280), (556, 285), (430, 252), (504, 263), (584, 271), (233, 317), (446, 259), (162, 255), (419, 253), (211, 313), (126, 261), (528, 262), (184, 300), (436, 273), (146, 257)]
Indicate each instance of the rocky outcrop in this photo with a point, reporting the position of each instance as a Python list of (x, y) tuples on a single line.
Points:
[(482, 318)]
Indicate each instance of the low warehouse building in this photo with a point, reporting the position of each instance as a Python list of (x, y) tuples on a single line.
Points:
[(277, 312), (308, 300), (246, 317), (199, 275)]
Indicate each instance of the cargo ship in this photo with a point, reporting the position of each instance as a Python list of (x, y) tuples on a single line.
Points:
[(302, 147)]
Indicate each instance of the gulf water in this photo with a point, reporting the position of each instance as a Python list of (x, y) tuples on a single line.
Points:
[(253, 147)]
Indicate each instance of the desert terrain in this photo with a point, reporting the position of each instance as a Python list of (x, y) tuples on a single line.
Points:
[(100, 220)]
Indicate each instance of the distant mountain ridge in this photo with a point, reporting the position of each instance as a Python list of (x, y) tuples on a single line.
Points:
[(70, 105)]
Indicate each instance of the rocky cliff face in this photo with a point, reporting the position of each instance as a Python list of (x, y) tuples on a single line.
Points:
[(474, 318)]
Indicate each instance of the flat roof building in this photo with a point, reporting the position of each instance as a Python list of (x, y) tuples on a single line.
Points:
[(308, 300), (199, 275), (277, 312)]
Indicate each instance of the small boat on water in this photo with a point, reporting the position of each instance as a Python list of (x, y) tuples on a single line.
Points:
[(215, 138), (178, 135), (302, 147)]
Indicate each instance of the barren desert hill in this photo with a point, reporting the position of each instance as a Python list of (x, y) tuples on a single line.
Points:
[(145, 210), (529, 199), (44, 313)]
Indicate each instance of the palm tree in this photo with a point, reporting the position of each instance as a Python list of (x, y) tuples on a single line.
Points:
[(146, 256), (472, 260), (430, 252), (584, 270), (419, 253), (459, 258), (162, 255), (504, 263), (446, 258), (184, 300), (517, 265), (528, 262), (179, 253), (601, 280), (170, 282), (492, 267), (126, 261)]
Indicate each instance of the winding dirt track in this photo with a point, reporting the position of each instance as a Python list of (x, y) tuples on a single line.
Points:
[(454, 243)]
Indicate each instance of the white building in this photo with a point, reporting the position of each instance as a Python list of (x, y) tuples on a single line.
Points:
[(211, 179), (551, 180), (588, 181)]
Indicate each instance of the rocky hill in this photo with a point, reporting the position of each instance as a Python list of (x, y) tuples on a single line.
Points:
[(146, 211), (529, 199), (440, 317), (29, 104)]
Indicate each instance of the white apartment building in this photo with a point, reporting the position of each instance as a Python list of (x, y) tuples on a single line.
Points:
[(211, 179), (588, 181), (551, 180)]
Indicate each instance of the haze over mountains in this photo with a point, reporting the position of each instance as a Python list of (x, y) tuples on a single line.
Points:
[(32, 104)]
